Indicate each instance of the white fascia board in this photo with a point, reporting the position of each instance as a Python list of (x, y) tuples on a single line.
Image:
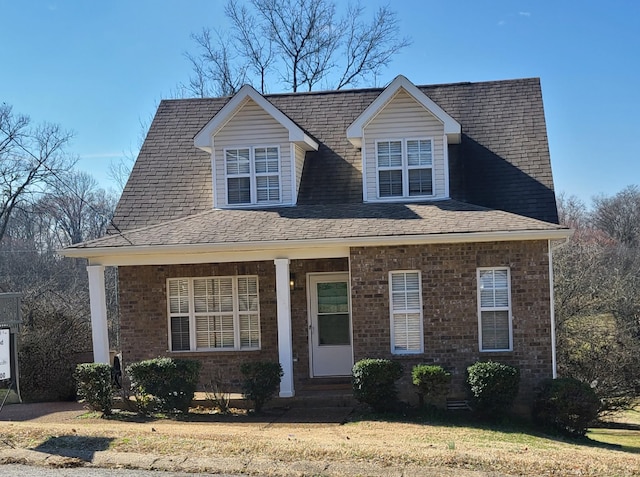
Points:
[(292, 249), (452, 128), (203, 140)]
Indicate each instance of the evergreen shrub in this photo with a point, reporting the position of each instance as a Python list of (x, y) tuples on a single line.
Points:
[(494, 387), (164, 384), (374, 383), (93, 382)]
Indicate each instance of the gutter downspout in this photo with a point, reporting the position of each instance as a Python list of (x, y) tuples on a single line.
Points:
[(554, 361)]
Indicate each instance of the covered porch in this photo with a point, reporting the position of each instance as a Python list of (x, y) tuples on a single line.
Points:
[(304, 310)]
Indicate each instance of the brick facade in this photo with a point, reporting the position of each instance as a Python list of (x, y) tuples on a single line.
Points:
[(449, 299), (450, 306), (144, 322)]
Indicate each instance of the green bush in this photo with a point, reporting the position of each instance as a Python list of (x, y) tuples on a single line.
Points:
[(261, 381), (164, 384), (566, 405), (432, 381), (374, 383), (94, 386), (494, 387)]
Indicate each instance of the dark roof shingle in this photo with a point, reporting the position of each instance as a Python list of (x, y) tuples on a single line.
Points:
[(502, 163), (322, 222)]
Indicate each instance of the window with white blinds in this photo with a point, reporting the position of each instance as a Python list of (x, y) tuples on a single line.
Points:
[(405, 292), (405, 168), (214, 313), (253, 175), (494, 309)]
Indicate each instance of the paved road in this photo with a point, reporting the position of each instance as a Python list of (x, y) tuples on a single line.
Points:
[(14, 470)]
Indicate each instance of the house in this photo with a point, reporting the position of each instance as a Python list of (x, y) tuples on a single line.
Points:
[(316, 229)]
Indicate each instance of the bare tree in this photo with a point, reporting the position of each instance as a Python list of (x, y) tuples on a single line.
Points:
[(305, 33), (215, 69), (79, 208), (303, 42), (370, 47), (30, 158), (619, 216), (120, 170), (596, 278), (249, 42)]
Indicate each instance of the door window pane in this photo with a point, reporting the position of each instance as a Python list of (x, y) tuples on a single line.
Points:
[(333, 297), (333, 329)]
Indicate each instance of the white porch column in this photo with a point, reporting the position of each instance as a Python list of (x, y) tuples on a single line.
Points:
[(285, 344), (98, 302)]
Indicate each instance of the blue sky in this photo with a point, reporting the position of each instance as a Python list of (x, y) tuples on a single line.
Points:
[(99, 68)]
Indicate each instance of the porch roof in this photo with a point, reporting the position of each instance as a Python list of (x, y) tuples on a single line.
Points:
[(348, 223)]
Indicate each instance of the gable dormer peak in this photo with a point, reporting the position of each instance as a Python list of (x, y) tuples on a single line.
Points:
[(451, 127), (203, 140)]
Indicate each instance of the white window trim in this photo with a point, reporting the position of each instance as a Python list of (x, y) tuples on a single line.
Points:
[(391, 315), (252, 176), (192, 316), (509, 309), (405, 168)]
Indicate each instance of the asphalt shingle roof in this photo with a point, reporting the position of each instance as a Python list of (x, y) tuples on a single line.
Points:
[(502, 163), (318, 222)]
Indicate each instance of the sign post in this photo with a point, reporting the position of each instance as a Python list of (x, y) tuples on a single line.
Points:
[(10, 321), (5, 354)]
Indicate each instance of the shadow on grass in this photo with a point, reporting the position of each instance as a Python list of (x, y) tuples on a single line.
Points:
[(625, 426), (77, 446), (506, 425), (197, 416), (337, 415)]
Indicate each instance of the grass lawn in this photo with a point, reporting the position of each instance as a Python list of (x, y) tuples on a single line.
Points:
[(452, 444), (623, 430)]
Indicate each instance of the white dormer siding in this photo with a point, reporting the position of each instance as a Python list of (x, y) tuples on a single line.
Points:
[(252, 127), (299, 156), (403, 119)]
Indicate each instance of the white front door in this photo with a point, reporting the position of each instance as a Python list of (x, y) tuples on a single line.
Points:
[(330, 324)]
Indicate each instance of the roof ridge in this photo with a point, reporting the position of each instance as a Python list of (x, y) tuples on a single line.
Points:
[(360, 90)]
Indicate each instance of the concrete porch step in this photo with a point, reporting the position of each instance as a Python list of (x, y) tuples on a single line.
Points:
[(323, 392), (339, 385)]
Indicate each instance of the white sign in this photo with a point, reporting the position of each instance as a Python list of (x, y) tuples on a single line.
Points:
[(5, 354)]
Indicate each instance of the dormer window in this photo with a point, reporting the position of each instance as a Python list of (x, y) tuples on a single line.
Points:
[(405, 168), (253, 175)]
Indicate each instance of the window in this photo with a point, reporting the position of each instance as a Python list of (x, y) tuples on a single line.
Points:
[(405, 168), (214, 313), (253, 175), (405, 294), (494, 309)]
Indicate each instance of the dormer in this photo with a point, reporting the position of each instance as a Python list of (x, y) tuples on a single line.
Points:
[(404, 138), (257, 153)]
